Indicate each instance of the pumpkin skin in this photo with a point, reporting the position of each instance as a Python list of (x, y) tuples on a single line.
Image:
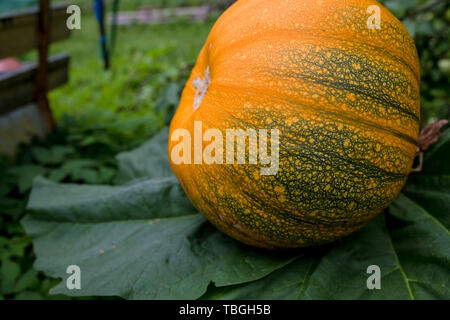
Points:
[(346, 102)]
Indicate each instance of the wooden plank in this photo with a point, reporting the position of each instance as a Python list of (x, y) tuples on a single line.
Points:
[(18, 30), (19, 87)]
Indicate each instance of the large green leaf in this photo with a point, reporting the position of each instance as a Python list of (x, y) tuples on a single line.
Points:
[(140, 240), (146, 162), (143, 239)]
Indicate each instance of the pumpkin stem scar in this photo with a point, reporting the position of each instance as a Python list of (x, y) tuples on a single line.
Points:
[(201, 86)]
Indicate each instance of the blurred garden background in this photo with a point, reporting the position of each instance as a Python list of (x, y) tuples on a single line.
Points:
[(100, 113)]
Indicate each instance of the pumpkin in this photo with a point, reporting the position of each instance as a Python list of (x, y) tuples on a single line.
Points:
[(344, 97)]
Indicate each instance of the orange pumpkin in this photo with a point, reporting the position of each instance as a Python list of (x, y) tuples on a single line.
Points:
[(344, 98)]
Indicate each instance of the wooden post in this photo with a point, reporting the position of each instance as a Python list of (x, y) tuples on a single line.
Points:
[(41, 77)]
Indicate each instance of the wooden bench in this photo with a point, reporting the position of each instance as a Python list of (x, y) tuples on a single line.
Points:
[(21, 112)]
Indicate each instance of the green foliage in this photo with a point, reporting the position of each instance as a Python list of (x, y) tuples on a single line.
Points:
[(60, 160), (79, 152), (99, 114), (431, 33), (147, 228), (146, 60)]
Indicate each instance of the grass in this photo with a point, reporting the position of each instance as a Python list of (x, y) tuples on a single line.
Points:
[(145, 58), (127, 100)]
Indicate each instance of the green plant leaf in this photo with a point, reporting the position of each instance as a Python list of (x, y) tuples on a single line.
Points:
[(26, 174), (143, 239), (9, 272), (42, 155), (56, 154), (436, 159), (28, 295), (18, 245), (97, 139), (7, 184), (86, 175), (78, 169), (26, 280), (146, 162), (12, 207), (169, 96), (106, 174)]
